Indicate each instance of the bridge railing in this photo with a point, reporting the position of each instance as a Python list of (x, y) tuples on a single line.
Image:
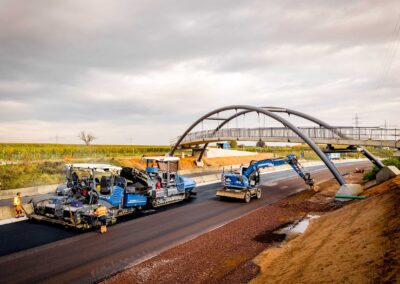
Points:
[(356, 133)]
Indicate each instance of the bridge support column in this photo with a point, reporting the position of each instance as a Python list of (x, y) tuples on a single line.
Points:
[(386, 173), (199, 163), (372, 158), (349, 190)]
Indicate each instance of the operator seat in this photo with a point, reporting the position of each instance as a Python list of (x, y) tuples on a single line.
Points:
[(104, 186), (121, 182)]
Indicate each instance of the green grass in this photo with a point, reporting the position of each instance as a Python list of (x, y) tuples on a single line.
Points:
[(28, 174), (371, 175), (43, 152)]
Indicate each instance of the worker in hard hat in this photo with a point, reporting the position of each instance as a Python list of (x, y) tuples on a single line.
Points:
[(18, 205), (101, 213)]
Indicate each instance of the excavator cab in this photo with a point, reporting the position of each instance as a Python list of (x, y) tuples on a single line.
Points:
[(254, 178)]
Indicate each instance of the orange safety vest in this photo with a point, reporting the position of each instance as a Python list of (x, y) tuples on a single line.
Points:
[(101, 211), (17, 201)]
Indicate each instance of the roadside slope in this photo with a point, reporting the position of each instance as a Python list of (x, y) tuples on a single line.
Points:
[(358, 243)]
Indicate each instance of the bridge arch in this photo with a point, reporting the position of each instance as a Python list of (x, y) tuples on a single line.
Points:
[(315, 120), (268, 112)]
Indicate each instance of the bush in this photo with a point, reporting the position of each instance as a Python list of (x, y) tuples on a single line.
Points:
[(260, 144), (233, 144), (371, 175)]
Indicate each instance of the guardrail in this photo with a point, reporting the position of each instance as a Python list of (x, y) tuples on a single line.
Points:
[(353, 133)]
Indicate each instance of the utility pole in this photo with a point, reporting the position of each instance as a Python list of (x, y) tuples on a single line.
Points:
[(56, 138), (131, 143), (357, 124), (385, 125), (356, 121)]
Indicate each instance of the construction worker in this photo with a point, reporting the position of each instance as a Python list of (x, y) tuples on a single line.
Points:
[(101, 213), (18, 205)]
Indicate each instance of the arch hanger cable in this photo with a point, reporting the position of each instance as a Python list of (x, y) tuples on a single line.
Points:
[(267, 112)]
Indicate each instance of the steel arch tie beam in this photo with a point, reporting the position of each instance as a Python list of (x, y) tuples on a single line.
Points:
[(364, 151), (286, 123)]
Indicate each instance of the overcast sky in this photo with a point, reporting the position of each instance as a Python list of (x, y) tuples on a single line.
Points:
[(148, 69)]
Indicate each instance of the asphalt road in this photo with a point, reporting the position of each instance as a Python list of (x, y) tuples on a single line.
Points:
[(34, 253)]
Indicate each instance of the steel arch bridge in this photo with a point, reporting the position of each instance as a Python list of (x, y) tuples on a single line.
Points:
[(323, 134)]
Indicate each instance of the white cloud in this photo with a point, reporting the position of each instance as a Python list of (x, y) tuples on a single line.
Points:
[(148, 69)]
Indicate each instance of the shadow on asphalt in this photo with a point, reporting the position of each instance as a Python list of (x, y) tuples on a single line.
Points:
[(24, 235), (19, 236)]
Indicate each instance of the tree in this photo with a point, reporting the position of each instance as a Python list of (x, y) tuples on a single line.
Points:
[(86, 137), (260, 144), (233, 144)]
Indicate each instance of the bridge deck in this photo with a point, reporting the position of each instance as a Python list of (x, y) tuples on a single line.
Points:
[(360, 136)]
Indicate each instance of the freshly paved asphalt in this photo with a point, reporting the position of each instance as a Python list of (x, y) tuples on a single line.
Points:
[(33, 253)]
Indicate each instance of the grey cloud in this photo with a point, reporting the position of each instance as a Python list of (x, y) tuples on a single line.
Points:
[(55, 56)]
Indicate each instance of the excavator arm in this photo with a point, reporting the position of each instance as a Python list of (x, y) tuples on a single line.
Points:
[(236, 181), (298, 168)]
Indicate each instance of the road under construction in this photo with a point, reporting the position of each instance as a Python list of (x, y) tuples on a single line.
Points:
[(53, 255)]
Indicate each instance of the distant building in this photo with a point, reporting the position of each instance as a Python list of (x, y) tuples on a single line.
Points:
[(333, 156), (223, 145)]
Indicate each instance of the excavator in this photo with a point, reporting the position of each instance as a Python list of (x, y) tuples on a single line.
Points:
[(244, 184)]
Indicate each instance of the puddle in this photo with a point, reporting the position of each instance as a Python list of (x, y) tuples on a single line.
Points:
[(286, 232), (293, 230)]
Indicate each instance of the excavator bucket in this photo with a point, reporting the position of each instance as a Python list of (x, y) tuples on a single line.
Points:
[(231, 193)]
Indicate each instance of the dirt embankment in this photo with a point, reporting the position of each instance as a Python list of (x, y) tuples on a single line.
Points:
[(225, 255), (359, 243), (188, 163)]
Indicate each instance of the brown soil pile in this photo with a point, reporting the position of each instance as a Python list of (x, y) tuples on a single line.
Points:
[(355, 244), (330, 187), (324, 199), (391, 184), (188, 163)]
